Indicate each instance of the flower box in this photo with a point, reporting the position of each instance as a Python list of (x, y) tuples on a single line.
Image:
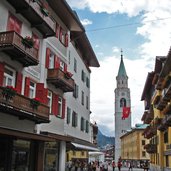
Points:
[(9, 92), (68, 75), (35, 102), (28, 42)]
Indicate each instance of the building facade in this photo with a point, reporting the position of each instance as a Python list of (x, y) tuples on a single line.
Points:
[(43, 60), (156, 96), (122, 99), (132, 147)]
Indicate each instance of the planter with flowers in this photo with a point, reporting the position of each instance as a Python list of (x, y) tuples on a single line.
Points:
[(44, 9), (9, 92), (68, 75), (28, 42), (34, 103)]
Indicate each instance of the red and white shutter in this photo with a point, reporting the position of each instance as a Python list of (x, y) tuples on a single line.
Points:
[(60, 34), (65, 67), (63, 108), (40, 92), (27, 86), (55, 104), (47, 57), (57, 30), (1, 73), (19, 82), (36, 41), (66, 39), (45, 96), (57, 62)]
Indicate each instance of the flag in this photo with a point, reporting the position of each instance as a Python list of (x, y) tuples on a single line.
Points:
[(125, 112)]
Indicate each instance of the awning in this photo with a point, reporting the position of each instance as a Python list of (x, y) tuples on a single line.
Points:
[(84, 147)]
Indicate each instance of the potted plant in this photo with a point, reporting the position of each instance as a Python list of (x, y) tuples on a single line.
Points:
[(44, 9), (35, 102), (9, 92), (68, 75), (28, 42)]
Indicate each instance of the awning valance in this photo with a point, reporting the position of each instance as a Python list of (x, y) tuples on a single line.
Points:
[(84, 147)]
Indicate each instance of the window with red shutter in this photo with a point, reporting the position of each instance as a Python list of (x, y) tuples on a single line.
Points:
[(1, 73), (66, 40), (27, 86), (47, 57), (40, 91), (14, 24), (19, 81), (63, 108), (55, 104), (36, 41), (57, 62)]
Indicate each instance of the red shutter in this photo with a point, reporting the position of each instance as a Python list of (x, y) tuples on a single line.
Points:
[(19, 82), (65, 67), (40, 91), (55, 104), (17, 26), (1, 73), (47, 57), (57, 62), (66, 40), (11, 23), (45, 96), (36, 41), (63, 108), (60, 34), (57, 30), (27, 86)]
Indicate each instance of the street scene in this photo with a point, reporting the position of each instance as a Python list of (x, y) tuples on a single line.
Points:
[(85, 85)]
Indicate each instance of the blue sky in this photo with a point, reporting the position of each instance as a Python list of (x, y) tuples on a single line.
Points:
[(147, 36)]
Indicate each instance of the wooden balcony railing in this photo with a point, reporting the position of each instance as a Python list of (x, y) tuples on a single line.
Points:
[(20, 106), (32, 11), (60, 80), (11, 43), (150, 132)]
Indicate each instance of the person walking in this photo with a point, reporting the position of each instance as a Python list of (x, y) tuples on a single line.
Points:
[(113, 165), (119, 165)]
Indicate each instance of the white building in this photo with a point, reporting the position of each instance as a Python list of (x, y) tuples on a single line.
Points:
[(122, 99)]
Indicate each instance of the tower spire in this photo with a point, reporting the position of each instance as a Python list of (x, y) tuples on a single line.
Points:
[(121, 54)]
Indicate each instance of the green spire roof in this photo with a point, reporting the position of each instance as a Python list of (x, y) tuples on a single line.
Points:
[(122, 71)]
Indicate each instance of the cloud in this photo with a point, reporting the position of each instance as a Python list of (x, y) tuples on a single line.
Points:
[(116, 49), (86, 22)]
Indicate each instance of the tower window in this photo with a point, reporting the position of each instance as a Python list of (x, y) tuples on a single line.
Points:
[(122, 102)]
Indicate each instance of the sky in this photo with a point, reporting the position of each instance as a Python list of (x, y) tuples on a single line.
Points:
[(142, 29)]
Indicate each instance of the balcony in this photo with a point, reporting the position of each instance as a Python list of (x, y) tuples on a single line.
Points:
[(150, 131), (31, 10), (11, 43), (163, 124), (147, 117), (60, 80), (95, 130), (20, 106), (151, 148), (161, 104)]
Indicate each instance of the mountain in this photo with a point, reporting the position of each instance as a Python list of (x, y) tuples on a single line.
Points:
[(103, 140)]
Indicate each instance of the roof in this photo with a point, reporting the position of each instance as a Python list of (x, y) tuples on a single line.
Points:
[(122, 70), (68, 16)]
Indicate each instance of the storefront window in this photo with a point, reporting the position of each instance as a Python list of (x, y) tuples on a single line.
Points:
[(20, 155), (51, 156)]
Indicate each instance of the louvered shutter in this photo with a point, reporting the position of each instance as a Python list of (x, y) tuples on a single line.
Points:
[(36, 41), (11, 23), (65, 67), (17, 26), (45, 96), (40, 91), (57, 62), (1, 73), (66, 40), (60, 34), (27, 86), (19, 81), (63, 108), (55, 104), (57, 30), (47, 57)]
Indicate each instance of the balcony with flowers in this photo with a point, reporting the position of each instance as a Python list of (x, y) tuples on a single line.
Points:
[(25, 108), (61, 79), (19, 48), (37, 13), (151, 148)]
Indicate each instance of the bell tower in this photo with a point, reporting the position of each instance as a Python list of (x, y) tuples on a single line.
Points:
[(122, 99)]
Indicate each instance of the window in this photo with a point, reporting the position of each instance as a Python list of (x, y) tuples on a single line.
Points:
[(82, 124), (75, 92), (167, 160), (83, 76), (74, 119), (49, 97), (75, 65), (14, 24), (87, 82), (166, 137), (62, 65), (122, 102), (87, 127), (82, 98), (9, 77), (82, 153), (59, 106), (68, 115), (143, 153), (32, 89), (51, 60), (87, 102), (143, 142)]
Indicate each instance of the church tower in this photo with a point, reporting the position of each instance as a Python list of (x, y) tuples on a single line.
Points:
[(122, 99)]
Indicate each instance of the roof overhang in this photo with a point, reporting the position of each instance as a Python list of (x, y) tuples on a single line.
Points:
[(84, 147), (85, 48), (63, 11)]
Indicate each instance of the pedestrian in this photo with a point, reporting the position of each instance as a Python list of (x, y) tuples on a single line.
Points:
[(105, 166), (113, 165), (94, 166), (119, 165), (130, 166), (69, 165)]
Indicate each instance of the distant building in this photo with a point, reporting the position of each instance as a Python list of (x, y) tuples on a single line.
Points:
[(132, 146), (122, 99), (157, 99)]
